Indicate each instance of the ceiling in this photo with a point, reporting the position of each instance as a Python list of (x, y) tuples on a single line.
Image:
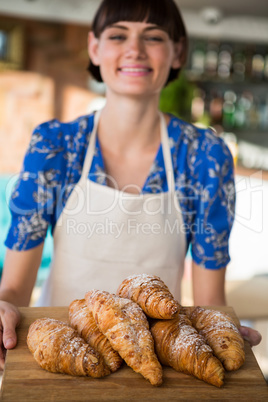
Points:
[(82, 9), (257, 8), (240, 19)]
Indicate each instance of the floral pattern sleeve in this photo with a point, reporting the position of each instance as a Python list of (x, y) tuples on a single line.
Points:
[(214, 206), (32, 202)]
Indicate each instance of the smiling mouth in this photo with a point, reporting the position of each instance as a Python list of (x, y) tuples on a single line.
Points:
[(135, 70)]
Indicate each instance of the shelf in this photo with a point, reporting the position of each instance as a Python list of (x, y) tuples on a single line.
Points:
[(207, 79), (259, 138)]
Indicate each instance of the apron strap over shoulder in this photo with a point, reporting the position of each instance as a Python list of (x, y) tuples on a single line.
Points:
[(167, 154), (91, 147)]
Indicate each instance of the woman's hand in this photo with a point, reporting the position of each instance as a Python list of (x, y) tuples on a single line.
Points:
[(9, 320), (250, 335)]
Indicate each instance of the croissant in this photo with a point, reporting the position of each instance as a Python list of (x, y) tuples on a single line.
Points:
[(82, 320), (221, 334), (151, 294), (58, 348), (179, 345), (125, 325)]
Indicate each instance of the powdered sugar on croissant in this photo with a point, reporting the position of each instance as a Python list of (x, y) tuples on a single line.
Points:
[(125, 325), (221, 333), (82, 320), (151, 294), (180, 346), (58, 348)]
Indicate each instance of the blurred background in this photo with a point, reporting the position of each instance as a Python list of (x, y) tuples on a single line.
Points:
[(43, 75)]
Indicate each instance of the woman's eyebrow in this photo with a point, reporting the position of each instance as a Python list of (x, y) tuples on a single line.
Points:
[(154, 27), (118, 26), (150, 28)]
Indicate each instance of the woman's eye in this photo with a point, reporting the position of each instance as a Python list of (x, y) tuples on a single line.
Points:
[(117, 37), (154, 38)]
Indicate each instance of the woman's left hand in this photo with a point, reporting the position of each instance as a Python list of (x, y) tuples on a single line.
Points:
[(250, 335)]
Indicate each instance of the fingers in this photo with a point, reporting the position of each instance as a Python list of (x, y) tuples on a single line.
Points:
[(2, 353), (9, 323), (250, 335), (9, 320), (2, 358)]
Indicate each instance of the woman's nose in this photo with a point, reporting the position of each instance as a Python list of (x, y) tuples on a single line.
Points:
[(136, 47)]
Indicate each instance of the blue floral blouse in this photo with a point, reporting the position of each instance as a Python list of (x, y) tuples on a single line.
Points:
[(203, 168)]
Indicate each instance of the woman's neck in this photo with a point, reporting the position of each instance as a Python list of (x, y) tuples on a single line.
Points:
[(128, 122), (129, 135)]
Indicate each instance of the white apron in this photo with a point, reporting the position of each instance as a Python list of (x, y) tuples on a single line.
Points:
[(104, 235)]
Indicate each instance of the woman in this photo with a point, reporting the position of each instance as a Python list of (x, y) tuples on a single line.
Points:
[(126, 190)]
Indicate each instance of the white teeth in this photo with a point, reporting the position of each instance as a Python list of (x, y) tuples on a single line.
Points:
[(134, 70)]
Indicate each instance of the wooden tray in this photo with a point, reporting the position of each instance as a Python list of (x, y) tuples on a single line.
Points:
[(24, 380)]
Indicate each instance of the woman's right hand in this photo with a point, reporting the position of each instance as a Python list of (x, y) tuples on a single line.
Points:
[(17, 282), (9, 320)]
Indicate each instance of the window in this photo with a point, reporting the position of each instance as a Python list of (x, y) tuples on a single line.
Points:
[(11, 46)]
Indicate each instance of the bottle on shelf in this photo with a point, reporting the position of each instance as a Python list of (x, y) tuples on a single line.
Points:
[(228, 109), (254, 116), (198, 105), (249, 52), (247, 100), (225, 61), (211, 59), (265, 70), (258, 64), (239, 64), (216, 107), (264, 114), (197, 61), (242, 105)]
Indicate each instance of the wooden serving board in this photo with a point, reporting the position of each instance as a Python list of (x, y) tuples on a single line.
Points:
[(24, 380)]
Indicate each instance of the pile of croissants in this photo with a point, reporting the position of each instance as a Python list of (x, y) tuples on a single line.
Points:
[(144, 326)]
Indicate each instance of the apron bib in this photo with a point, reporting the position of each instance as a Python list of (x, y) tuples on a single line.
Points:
[(104, 235)]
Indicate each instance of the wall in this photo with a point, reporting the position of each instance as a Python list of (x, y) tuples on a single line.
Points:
[(26, 99), (58, 51), (53, 83)]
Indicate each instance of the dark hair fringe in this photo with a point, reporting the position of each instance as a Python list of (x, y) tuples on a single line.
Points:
[(163, 13)]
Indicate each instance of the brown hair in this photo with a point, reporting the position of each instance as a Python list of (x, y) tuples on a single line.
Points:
[(163, 13)]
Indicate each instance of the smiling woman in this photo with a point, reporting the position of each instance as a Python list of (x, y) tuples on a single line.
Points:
[(170, 184), (135, 57)]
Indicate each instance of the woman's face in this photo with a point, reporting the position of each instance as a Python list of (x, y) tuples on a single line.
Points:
[(134, 57)]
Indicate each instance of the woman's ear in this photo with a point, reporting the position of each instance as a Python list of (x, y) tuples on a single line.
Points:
[(93, 47), (179, 54)]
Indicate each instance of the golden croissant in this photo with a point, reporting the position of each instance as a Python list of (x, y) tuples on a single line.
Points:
[(58, 348), (179, 345), (151, 294), (221, 333), (82, 320), (125, 325)]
